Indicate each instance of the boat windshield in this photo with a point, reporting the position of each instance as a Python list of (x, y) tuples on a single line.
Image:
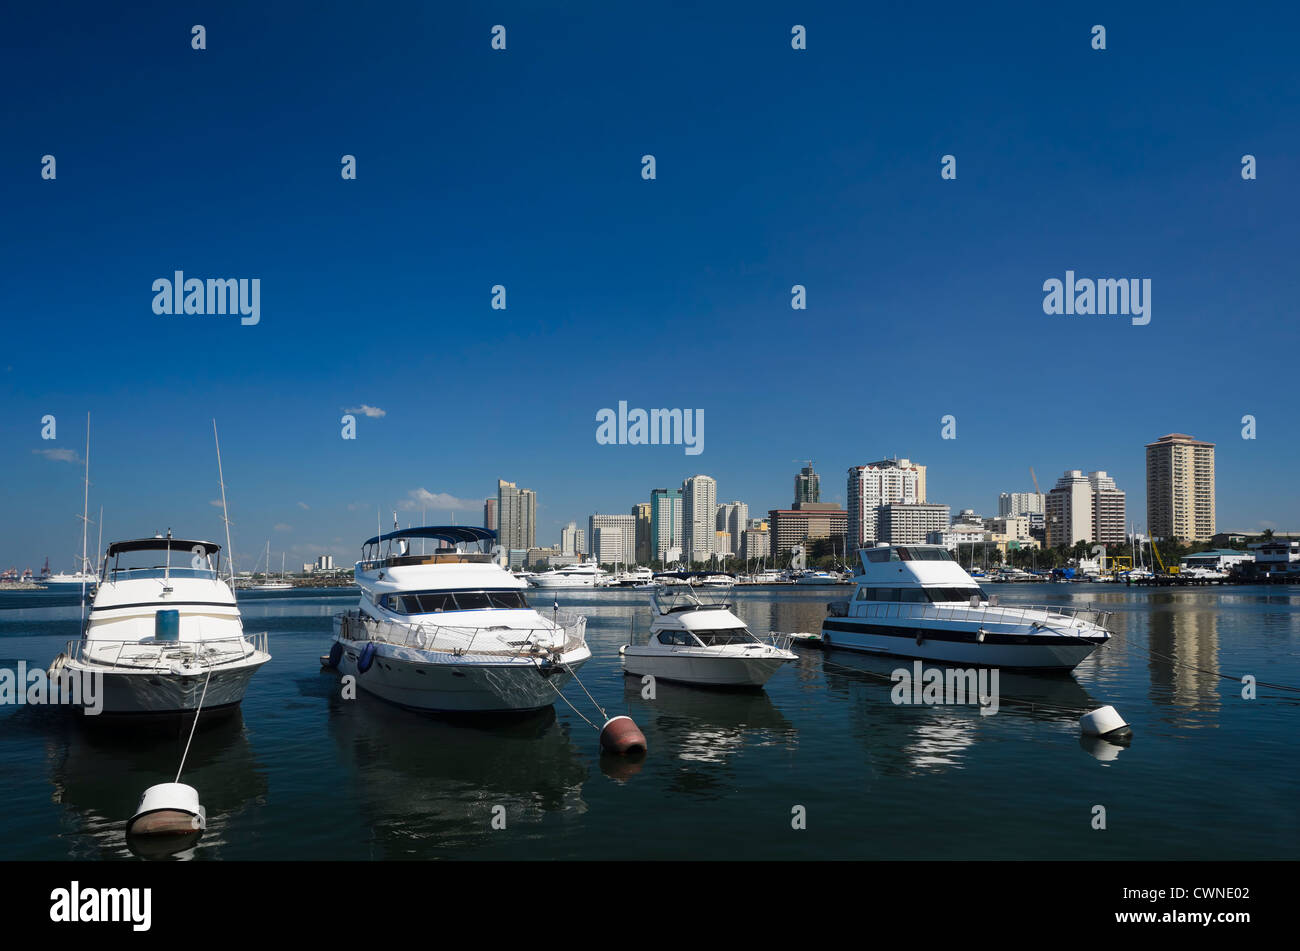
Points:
[(720, 637), (437, 602)]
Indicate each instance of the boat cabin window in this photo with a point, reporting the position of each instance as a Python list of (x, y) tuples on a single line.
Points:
[(436, 602), (918, 595), (881, 555), (680, 638), (727, 635), (963, 595)]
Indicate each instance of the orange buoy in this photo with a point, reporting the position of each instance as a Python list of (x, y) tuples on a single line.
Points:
[(620, 735)]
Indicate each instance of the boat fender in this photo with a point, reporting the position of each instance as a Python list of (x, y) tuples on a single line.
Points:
[(979, 635), (336, 654), (919, 638), (367, 657)]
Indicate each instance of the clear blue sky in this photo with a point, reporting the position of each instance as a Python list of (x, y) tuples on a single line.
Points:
[(522, 168)]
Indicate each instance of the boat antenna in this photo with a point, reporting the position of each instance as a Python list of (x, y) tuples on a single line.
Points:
[(225, 517), (85, 524)]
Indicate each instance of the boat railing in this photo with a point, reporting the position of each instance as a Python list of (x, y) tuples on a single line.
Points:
[(355, 626), (163, 655), (986, 613), (781, 642)]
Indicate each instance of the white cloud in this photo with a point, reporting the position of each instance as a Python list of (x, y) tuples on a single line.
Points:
[(418, 499), (281, 527), (304, 506), (59, 455), (215, 503), (374, 412)]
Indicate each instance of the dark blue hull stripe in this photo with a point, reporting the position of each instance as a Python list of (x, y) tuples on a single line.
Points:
[(959, 637)]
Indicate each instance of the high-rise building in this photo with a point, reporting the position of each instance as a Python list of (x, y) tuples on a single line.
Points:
[(1180, 488), (1012, 504), (877, 484), (641, 512), (755, 543), (571, 540), (732, 518), (910, 523), (699, 501), (601, 530), (1109, 515), (665, 523), (490, 514), (807, 485), (807, 523), (516, 516)]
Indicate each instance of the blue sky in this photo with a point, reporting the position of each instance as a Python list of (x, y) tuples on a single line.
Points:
[(522, 168)]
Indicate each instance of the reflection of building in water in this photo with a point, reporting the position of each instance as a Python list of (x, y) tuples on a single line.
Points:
[(1178, 630)]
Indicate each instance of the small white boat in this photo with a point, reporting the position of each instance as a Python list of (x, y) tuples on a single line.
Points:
[(818, 578), (452, 631), (701, 642), (164, 637)]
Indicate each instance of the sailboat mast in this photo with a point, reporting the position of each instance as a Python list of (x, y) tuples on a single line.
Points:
[(85, 522), (225, 515)]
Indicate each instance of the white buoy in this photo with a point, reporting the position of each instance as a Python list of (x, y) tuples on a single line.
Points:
[(1103, 722), (168, 809)]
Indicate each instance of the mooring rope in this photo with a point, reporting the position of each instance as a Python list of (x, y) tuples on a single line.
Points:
[(197, 711)]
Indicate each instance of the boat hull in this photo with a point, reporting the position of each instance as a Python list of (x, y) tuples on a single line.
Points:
[(960, 644), (445, 683), (159, 693), (703, 671)]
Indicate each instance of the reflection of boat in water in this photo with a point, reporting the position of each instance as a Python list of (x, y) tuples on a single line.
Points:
[(904, 737), (96, 771), (707, 726), (432, 782)]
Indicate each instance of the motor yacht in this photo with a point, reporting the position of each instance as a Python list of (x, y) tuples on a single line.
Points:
[(818, 578), (916, 601), (452, 630), (586, 574), (697, 640), (164, 632)]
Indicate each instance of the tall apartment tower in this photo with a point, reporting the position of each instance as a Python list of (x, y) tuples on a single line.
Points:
[(1013, 504), (665, 522), (613, 538), (807, 485), (641, 512), (1109, 516), (1083, 508), (516, 516), (490, 514), (699, 502), (877, 484), (1180, 488)]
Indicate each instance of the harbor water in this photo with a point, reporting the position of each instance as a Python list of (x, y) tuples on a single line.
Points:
[(300, 773)]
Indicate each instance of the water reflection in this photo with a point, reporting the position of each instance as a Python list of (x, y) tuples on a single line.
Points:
[(98, 769), (906, 738), (1184, 630), (424, 780)]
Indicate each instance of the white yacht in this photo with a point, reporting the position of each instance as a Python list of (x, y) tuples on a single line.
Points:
[(164, 631), (916, 601), (452, 631), (818, 578), (586, 574), (696, 641), (631, 578)]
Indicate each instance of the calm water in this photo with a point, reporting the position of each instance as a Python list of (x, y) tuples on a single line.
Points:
[(301, 774)]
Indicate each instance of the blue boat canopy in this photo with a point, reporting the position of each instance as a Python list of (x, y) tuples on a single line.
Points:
[(452, 534)]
